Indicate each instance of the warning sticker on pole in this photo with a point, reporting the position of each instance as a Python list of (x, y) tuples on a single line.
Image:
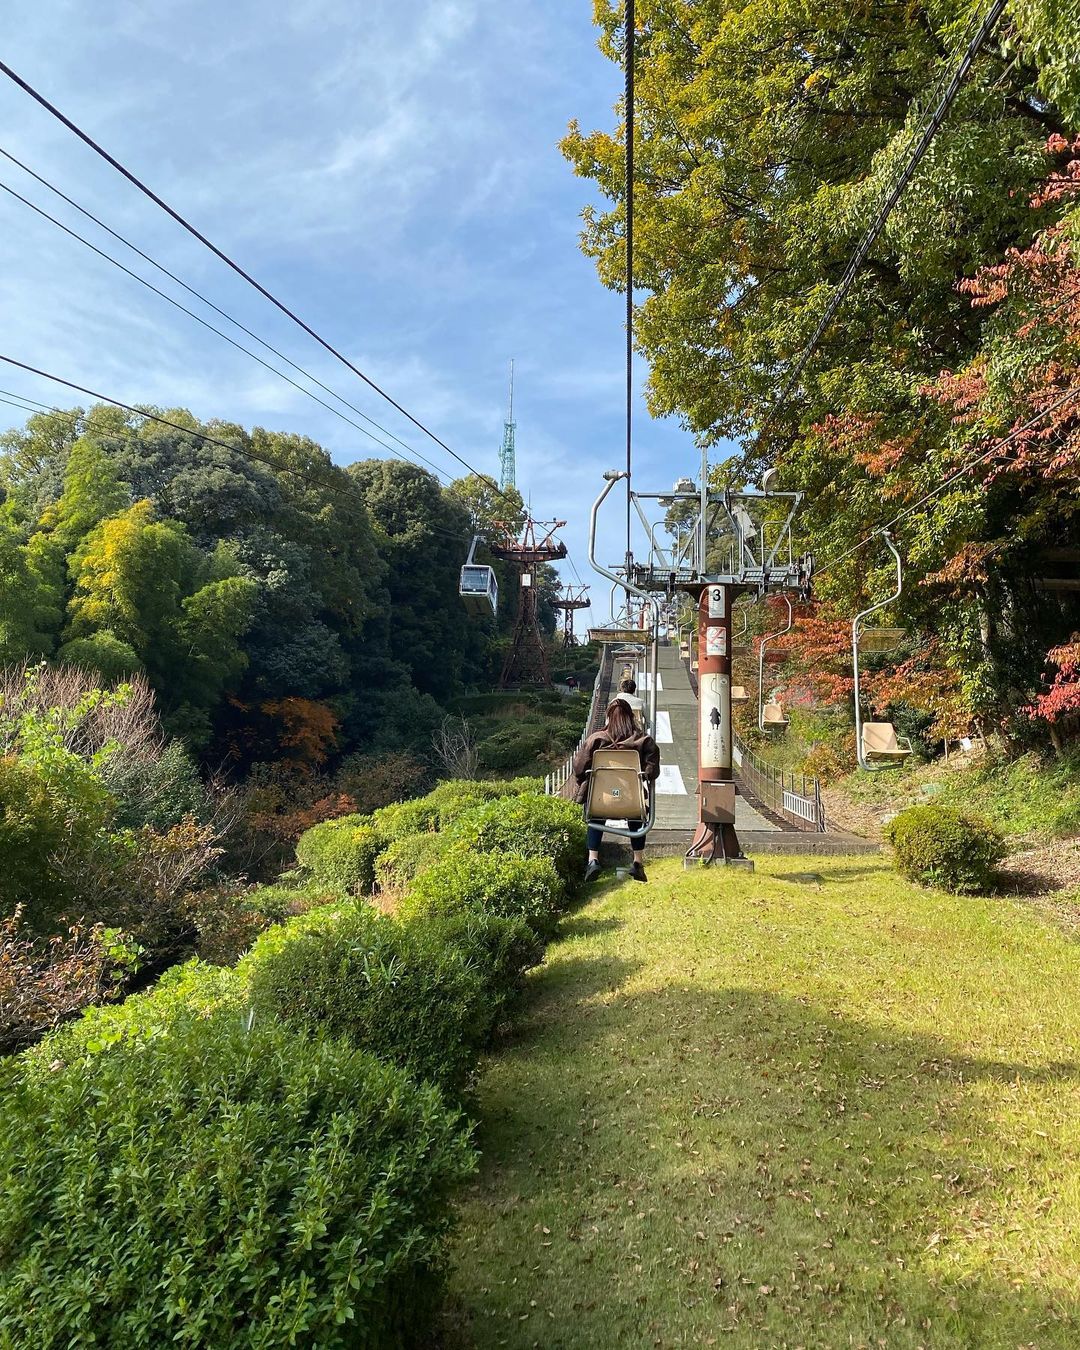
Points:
[(716, 642), (714, 739), (717, 602)]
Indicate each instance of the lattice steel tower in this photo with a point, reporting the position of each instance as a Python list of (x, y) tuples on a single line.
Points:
[(526, 659), (507, 455)]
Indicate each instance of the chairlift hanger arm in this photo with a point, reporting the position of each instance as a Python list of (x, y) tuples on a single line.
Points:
[(856, 624), (761, 659), (612, 476)]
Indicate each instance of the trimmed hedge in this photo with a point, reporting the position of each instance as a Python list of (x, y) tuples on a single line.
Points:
[(529, 826), (408, 856), (220, 1186), (341, 853), (940, 845), (504, 949), (525, 888), (394, 989), (403, 818)]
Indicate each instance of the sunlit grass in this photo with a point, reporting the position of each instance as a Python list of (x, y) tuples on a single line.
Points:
[(762, 1112)]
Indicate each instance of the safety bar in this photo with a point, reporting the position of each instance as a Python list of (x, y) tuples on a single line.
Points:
[(613, 476), (864, 763)]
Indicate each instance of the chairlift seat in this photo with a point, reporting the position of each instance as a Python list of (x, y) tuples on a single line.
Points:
[(880, 641), (880, 741), (739, 694), (772, 717), (617, 789)]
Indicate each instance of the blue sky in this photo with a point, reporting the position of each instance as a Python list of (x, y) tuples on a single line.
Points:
[(390, 170)]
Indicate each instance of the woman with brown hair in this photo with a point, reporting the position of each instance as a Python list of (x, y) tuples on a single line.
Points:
[(619, 732)]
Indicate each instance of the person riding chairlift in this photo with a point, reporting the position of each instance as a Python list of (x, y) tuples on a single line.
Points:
[(629, 695), (619, 732)]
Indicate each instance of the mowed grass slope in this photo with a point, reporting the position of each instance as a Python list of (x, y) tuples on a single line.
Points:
[(761, 1112)]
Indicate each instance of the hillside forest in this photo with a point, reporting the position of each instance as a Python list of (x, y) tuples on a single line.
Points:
[(768, 135)]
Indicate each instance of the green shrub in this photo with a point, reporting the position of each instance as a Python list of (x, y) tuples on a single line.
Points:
[(455, 796), (218, 1186), (286, 899), (195, 989), (341, 853), (385, 986), (513, 746), (412, 817), (525, 888), (502, 948), (528, 826), (406, 857), (941, 846)]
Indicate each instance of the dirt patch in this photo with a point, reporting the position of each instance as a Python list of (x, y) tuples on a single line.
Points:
[(1044, 868), (863, 818)]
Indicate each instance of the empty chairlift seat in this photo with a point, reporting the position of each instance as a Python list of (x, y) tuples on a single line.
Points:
[(880, 741), (739, 694), (617, 788), (772, 717)]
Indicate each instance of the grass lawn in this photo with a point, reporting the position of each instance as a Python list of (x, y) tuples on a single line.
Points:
[(764, 1112)]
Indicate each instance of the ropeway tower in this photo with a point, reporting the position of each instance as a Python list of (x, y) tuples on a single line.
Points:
[(526, 660)]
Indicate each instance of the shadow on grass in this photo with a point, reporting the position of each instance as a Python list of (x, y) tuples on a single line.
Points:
[(746, 1162)]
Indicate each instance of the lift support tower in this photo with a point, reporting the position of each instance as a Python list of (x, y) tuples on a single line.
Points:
[(526, 662), (738, 542), (571, 600)]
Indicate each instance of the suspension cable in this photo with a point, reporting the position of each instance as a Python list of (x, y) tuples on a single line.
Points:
[(871, 236), (628, 54), (951, 478), (74, 234), (185, 224)]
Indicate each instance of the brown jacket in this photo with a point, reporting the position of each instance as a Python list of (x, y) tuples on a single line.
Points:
[(648, 753)]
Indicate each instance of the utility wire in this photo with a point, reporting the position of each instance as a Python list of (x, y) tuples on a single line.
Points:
[(191, 290), (628, 52), (235, 266), (871, 236), (206, 324), (244, 453), (951, 478)]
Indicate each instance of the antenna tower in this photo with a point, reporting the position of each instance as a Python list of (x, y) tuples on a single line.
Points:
[(507, 455), (568, 602), (526, 661)]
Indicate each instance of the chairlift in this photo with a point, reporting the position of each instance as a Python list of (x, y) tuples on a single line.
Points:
[(876, 743), (739, 694), (478, 587), (618, 789), (740, 642), (776, 721)]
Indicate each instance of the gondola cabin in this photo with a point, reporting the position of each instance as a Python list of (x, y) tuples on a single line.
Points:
[(479, 590), (478, 587)]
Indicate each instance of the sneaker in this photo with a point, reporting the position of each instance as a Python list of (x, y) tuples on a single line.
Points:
[(593, 871), (637, 872)]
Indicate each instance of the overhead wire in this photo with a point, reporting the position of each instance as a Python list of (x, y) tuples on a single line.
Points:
[(204, 299), (951, 478), (219, 253), (870, 237), (629, 41), (241, 452), (239, 346)]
